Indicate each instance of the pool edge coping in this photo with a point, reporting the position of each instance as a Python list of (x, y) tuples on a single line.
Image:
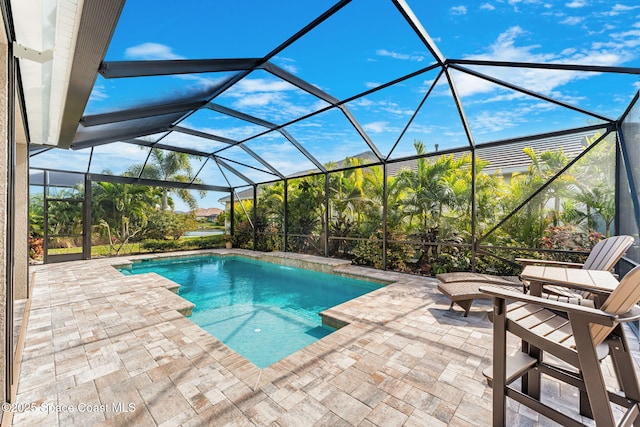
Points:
[(332, 315)]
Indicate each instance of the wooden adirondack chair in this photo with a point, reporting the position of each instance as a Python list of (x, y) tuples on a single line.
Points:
[(575, 334), (463, 288), (604, 256)]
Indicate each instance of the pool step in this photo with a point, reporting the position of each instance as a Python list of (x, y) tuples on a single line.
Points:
[(332, 322)]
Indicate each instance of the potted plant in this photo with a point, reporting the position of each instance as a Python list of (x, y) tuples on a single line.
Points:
[(228, 240)]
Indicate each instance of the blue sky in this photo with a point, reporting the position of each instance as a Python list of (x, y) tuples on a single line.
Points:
[(364, 45)]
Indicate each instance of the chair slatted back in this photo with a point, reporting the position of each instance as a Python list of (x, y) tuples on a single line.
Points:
[(621, 300), (606, 254)]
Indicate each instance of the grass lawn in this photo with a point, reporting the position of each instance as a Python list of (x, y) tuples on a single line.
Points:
[(139, 247), (209, 226), (102, 250)]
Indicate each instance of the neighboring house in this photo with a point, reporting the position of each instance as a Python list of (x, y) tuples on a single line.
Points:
[(239, 195), (208, 214), (511, 158), (508, 159)]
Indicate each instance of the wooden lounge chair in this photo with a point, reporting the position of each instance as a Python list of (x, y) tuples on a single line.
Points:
[(463, 287), (468, 276), (464, 293), (575, 334)]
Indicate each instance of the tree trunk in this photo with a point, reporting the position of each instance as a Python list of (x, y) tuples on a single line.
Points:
[(165, 201)]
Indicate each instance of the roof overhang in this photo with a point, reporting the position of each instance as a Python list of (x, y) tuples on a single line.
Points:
[(60, 45)]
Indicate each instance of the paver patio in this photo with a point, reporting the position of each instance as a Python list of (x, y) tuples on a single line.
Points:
[(106, 349)]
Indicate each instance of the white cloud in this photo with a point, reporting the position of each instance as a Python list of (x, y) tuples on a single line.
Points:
[(375, 127), (281, 154), (288, 64), (603, 29), (620, 8), (273, 98), (262, 85), (622, 42), (629, 38), (468, 85), (117, 157), (274, 93), (377, 108), (575, 4), (73, 160), (98, 93), (459, 10), (259, 99), (487, 6), (363, 102), (494, 121), (546, 82), (402, 56), (199, 82), (197, 143), (572, 20), (515, 3), (150, 51), (290, 68)]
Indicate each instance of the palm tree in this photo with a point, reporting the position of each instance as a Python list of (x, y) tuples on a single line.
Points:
[(346, 192), (373, 186), (490, 190), (169, 166), (122, 210), (271, 202), (595, 177), (427, 190), (592, 203), (305, 205), (270, 216), (527, 225)]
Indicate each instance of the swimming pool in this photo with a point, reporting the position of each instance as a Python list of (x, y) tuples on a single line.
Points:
[(263, 311)]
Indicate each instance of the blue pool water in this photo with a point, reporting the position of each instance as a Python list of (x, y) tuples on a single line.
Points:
[(262, 311)]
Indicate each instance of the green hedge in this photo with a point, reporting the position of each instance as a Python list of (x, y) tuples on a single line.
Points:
[(207, 242)]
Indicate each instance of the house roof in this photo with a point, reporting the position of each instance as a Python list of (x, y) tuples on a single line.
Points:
[(511, 157), (207, 212), (508, 158)]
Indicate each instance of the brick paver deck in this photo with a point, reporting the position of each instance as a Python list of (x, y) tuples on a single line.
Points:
[(106, 349)]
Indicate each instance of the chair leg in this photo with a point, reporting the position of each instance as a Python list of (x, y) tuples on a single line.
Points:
[(532, 380), (591, 372), (499, 362), (466, 305), (624, 367), (585, 406)]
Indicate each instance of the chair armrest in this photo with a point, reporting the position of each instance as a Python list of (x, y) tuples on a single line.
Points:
[(595, 315), (631, 315), (529, 261)]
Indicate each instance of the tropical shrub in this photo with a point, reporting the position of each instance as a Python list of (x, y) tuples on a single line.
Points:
[(163, 245), (243, 235), (168, 224), (451, 259), (36, 250), (568, 238), (207, 242), (369, 252)]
